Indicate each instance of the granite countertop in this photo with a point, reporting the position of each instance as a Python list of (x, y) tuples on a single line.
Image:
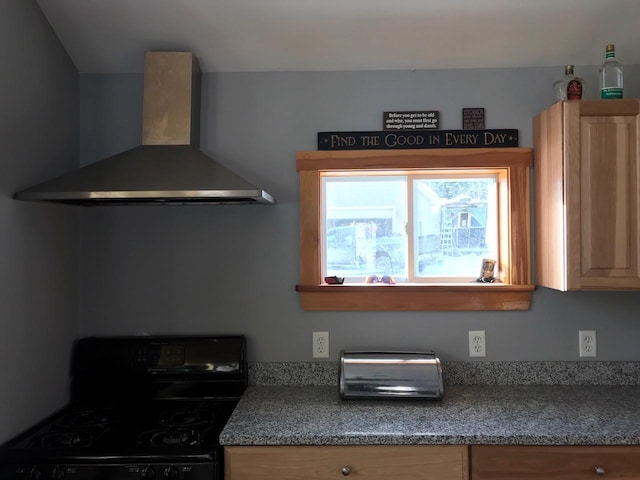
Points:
[(486, 414)]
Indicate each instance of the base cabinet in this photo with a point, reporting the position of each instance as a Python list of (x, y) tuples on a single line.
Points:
[(431, 462), (554, 462), (415, 462)]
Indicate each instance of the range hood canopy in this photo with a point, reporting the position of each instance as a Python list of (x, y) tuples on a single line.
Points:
[(168, 168)]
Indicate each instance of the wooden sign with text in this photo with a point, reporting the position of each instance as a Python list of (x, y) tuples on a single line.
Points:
[(497, 138)]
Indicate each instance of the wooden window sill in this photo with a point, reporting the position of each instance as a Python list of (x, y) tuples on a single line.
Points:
[(445, 297)]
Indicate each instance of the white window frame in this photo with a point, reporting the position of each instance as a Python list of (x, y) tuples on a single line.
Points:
[(409, 225)]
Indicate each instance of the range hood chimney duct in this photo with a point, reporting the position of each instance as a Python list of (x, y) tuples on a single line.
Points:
[(168, 168)]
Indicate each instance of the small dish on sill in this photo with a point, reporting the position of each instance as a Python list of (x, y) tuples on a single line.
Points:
[(334, 280)]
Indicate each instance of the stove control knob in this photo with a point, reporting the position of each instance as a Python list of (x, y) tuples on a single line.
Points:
[(148, 473), (58, 474), (35, 474), (171, 473)]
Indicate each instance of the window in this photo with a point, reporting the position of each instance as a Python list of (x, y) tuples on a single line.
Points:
[(427, 218), (419, 226)]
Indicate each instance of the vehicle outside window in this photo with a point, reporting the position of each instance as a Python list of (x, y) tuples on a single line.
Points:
[(357, 248), (364, 226)]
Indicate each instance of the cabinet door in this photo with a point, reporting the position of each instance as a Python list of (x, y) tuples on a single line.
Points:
[(587, 195), (601, 147), (416, 462), (554, 462)]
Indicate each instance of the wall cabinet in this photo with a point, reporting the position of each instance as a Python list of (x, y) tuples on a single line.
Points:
[(587, 195), (416, 462), (554, 462)]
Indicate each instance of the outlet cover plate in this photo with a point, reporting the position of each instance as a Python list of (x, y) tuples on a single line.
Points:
[(477, 343), (587, 343), (320, 344)]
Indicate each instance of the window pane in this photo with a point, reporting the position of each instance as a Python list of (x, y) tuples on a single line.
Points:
[(455, 226), (364, 220)]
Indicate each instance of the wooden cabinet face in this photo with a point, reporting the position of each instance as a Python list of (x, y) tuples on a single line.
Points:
[(587, 195), (554, 462), (427, 462)]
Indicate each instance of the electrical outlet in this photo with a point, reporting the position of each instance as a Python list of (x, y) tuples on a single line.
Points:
[(587, 343), (477, 345), (320, 344)]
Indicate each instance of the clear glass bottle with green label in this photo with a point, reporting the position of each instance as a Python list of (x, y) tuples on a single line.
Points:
[(611, 78)]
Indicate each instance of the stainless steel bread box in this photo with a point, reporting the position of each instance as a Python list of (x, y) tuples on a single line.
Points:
[(380, 374)]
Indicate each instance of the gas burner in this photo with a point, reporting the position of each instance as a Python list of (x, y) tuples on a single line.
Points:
[(65, 439), (85, 419), (175, 437), (186, 417)]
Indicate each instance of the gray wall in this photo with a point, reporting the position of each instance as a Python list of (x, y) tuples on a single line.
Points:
[(38, 243), (234, 268), (66, 271)]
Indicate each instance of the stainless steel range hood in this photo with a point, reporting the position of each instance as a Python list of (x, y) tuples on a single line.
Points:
[(168, 168)]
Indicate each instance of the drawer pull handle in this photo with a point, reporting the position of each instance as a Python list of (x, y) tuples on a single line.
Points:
[(346, 471), (600, 471)]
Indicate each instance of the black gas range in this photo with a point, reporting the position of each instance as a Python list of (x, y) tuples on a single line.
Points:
[(141, 408)]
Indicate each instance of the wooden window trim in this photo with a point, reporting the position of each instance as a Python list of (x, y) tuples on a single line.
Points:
[(514, 294)]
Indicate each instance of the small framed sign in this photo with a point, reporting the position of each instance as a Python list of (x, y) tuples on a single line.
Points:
[(473, 118), (423, 120)]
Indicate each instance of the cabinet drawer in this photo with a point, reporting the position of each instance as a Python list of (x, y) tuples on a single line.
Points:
[(566, 463), (432, 462)]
